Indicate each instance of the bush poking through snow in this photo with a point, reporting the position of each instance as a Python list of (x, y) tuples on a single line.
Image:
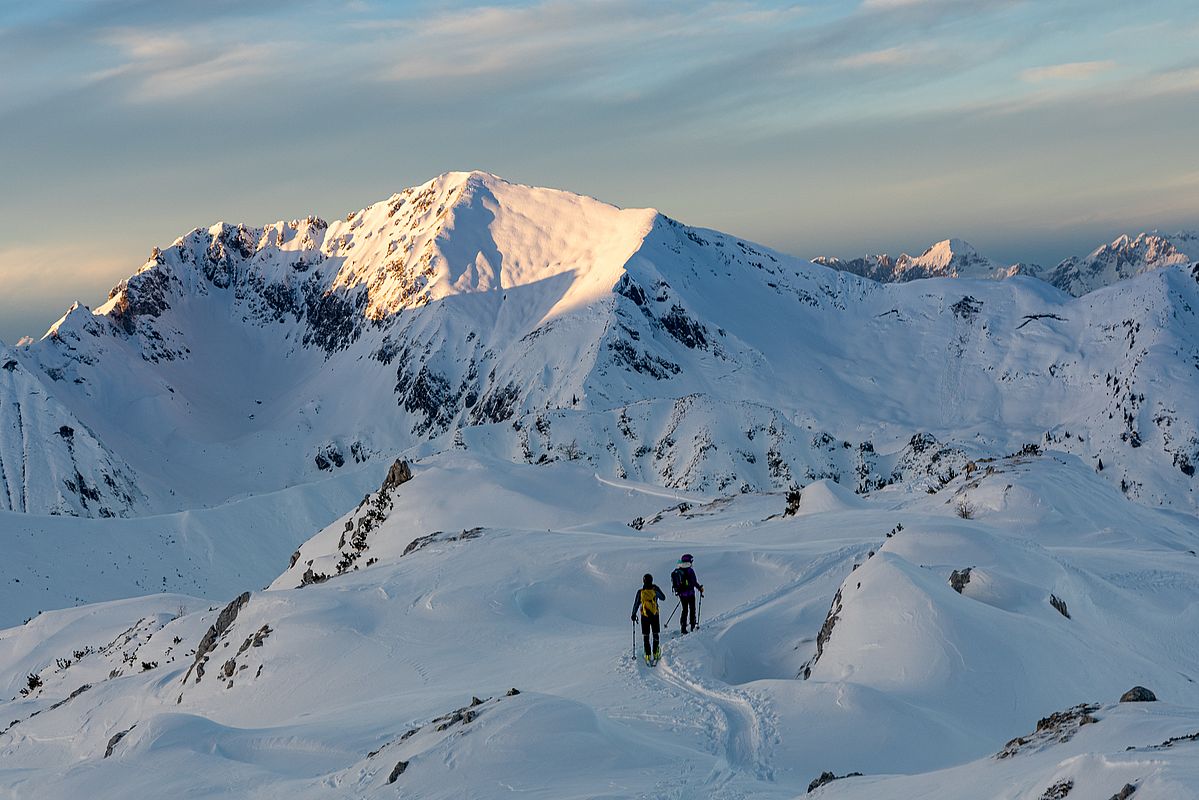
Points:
[(964, 509), (794, 496)]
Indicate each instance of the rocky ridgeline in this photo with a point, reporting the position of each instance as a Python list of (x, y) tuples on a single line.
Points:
[(355, 538)]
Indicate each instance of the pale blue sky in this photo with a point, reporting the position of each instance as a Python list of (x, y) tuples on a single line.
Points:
[(1032, 129)]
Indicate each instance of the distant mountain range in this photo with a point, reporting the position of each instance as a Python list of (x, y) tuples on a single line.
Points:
[(1118, 260)]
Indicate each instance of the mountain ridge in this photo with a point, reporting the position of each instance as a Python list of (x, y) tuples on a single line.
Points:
[(538, 325)]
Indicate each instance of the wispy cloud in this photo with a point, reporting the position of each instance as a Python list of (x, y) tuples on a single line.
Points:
[(1074, 71), (564, 42), (159, 65), (887, 57)]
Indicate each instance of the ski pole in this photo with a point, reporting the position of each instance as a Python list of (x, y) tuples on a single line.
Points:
[(699, 612), (676, 608), (634, 640)]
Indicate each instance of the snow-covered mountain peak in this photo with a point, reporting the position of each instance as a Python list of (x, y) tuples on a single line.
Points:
[(944, 252), (948, 258), (76, 316), (1124, 257)]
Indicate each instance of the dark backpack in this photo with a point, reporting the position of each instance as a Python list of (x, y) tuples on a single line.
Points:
[(679, 580)]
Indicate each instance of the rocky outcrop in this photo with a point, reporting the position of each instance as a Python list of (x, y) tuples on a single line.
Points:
[(1138, 694), (1056, 728), (115, 740), (1059, 790), (829, 777), (397, 771), (826, 632), (223, 622), (398, 474), (355, 538), (959, 578)]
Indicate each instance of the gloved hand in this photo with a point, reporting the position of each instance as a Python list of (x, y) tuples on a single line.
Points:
[(701, 591), (633, 618)]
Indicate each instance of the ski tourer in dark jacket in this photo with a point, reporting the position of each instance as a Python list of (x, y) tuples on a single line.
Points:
[(684, 583)]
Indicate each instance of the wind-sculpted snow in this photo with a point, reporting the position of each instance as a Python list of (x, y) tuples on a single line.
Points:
[(395, 676)]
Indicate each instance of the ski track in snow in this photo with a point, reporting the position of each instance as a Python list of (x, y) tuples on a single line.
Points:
[(652, 491), (741, 720), (743, 724)]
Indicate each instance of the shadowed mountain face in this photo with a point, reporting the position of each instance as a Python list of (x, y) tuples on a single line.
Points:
[(535, 325)]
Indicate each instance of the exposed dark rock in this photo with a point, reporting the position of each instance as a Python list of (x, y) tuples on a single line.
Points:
[(959, 578), (397, 771), (826, 631), (223, 621), (116, 738), (512, 692), (1058, 790), (329, 457), (1060, 605), (629, 357), (399, 473), (309, 577), (829, 777), (421, 542), (294, 558), (1054, 729), (1124, 793), (689, 332), (1190, 737), (1138, 694), (967, 308)]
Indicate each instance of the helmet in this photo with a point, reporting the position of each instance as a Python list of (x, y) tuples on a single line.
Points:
[(647, 579), (686, 559)]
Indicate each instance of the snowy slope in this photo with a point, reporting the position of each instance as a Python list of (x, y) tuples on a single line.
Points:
[(949, 258), (536, 325), (60, 561), (1123, 258), (334, 688), (50, 462)]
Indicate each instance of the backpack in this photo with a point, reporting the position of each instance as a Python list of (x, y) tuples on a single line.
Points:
[(679, 580), (649, 602)]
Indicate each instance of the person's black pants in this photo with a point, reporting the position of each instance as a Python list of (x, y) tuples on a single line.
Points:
[(649, 622), (688, 603)]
